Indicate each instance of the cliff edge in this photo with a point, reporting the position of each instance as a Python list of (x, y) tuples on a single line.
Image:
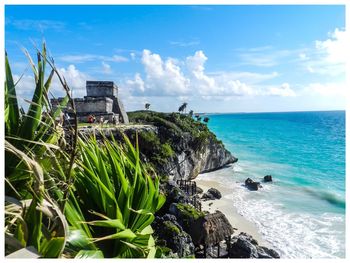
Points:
[(180, 147)]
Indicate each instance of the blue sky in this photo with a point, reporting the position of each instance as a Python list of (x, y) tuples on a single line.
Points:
[(216, 58)]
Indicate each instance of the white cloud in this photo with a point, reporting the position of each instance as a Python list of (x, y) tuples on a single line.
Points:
[(265, 56), (303, 56), (75, 79), (137, 85), (90, 57), (328, 57), (38, 25), (25, 86), (163, 77), (186, 78), (204, 84), (335, 48), (326, 89), (184, 43), (283, 91), (245, 76), (106, 68), (117, 58)]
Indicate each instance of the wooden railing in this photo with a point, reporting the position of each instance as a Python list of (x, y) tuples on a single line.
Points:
[(190, 187)]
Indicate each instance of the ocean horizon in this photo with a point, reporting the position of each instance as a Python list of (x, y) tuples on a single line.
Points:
[(302, 213)]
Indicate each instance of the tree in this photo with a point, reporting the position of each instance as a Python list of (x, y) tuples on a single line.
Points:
[(147, 105), (190, 113), (206, 119), (182, 108)]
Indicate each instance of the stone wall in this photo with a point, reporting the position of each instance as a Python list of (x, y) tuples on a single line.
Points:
[(101, 89), (94, 105)]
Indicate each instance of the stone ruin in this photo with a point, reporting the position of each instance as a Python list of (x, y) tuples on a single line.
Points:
[(101, 100)]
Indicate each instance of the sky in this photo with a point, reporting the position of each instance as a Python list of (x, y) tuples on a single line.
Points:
[(216, 58)]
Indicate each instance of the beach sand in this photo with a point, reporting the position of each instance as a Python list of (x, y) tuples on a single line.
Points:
[(225, 205)]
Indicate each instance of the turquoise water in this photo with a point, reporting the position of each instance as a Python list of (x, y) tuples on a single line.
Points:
[(302, 213)]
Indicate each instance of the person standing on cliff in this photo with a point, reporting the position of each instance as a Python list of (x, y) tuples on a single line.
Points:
[(101, 120)]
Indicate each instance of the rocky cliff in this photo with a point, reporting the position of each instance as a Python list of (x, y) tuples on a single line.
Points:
[(174, 144), (188, 162), (180, 147)]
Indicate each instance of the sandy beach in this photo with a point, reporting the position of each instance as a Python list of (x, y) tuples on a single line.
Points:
[(225, 205)]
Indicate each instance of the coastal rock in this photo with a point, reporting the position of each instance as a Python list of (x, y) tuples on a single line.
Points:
[(267, 178), (207, 196), (244, 246), (251, 185), (173, 194), (188, 162), (215, 192), (169, 233), (182, 147), (211, 194), (264, 252), (199, 190)]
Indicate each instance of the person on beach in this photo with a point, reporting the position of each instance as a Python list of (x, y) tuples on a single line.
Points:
[(101, 120), (90, 119)]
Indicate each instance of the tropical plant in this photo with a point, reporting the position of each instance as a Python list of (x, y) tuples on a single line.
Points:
[(206, 119), (117, 198), (59, 204), (190, 113), (182, 108), (32, 216), (147, 105)]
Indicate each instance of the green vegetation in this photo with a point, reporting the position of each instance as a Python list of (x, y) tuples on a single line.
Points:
[(183, 107), (171, 227), (122, 196), (158, 152), (82, 199), (175, 125), (189, 211), (188, 214)]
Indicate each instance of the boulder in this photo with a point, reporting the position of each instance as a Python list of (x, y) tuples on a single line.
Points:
[(211, 194), (208, 196), (264, 252), (215, 192), (244, 246), (199, 190), (170, 234), (267, 178), (251, 185)]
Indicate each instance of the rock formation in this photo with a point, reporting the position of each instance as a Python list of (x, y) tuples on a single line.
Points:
[(251, 185), (267, 178), (244, 246), (211, 194)]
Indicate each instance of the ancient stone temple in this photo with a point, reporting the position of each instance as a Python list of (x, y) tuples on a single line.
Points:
[(101, 100)]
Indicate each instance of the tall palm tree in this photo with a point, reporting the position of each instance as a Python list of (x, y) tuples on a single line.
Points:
[(182, 108), (190, 113), (147, 105)]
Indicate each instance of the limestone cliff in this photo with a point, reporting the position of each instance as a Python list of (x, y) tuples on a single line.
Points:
[(175, 144), (180, 147), (188, 162)]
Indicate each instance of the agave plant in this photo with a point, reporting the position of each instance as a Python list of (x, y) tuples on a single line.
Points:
[(99, 204), (116, 197), (33, 218)]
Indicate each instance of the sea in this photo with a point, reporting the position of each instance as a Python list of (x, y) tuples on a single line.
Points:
[(302, 212)]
